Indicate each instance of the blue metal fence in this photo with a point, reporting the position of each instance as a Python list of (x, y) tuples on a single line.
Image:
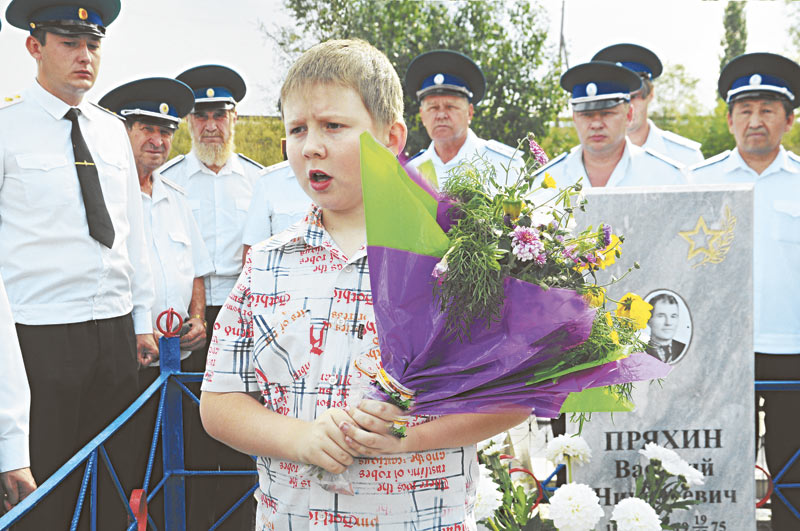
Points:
[(171, 388), (170, 385), (777, 483)]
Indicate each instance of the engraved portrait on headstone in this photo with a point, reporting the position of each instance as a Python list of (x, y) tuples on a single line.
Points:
[(669, 330)]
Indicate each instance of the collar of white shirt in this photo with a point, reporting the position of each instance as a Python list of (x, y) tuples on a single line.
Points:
[(233, 165), (470, 146), (781, 163), (56, 107)]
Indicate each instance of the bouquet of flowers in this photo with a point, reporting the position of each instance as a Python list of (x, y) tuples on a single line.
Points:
[(484, 298)]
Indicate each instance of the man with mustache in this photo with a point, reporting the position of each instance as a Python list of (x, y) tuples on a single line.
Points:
[(72, 252), (762, 90), (219, 184), (152, 109), (448, 85)]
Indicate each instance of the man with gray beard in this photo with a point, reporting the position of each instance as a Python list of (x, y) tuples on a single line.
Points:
[(219, 185)]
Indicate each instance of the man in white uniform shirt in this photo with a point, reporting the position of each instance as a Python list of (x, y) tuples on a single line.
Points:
[(762, 90), (219, 184), (642, 131), (447, 85), (601, 112), (72, 251), (152, 109), (278, 203)]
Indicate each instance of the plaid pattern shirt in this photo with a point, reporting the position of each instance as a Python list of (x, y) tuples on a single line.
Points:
[(299, 317)]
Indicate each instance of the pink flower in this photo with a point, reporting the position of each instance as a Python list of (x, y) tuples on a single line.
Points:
[(536, 150), (525, 245)]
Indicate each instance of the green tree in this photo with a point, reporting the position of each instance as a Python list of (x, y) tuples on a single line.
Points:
[(257, 137), (507, 40), (734, 42)]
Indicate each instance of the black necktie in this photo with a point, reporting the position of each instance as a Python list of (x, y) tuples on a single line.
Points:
[(100, 226)]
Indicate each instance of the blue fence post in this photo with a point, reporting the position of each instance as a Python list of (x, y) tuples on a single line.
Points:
[(172, 438)]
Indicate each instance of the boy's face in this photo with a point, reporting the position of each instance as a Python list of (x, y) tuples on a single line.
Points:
[(323, 125)]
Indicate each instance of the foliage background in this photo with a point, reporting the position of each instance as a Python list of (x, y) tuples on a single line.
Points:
[(507, 39)]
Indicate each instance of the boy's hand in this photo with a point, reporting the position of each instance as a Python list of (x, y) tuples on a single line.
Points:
[(324, 443), (371, 435)]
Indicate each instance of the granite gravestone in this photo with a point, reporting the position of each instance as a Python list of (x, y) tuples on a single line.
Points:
[(694, 244)]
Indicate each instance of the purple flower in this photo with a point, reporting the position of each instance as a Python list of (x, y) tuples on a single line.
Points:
[(604, 239), (570, 253), (525, 245), (538, 153)]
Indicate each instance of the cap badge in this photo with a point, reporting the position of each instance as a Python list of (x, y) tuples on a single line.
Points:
[(33, 25), (163, 108), (755, 79), (210, 93), (591, 89), (83, 14), (438, 79)]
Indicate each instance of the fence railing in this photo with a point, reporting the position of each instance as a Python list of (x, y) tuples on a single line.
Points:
[(170, 385)]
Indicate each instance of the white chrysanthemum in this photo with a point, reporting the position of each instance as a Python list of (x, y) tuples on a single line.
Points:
[(488, 496), (565, 446), (634, 514), (575, 507), (494, 445), (672, 463)]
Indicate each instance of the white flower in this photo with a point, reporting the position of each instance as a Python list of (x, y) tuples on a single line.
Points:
[(494, 445), (575, 507), (634, 514), (488, 497), (672, 463), (565, 446)]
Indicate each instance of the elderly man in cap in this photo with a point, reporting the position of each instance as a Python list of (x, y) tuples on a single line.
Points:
[(219, 185), (72, 249), (447, 85), (602, 112), (642, 131), (762, 90), (152, 109)]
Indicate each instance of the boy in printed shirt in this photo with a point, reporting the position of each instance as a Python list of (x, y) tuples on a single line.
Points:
[(281, 363)]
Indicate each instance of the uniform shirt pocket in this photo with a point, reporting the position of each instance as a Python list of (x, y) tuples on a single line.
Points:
[(787, 220), (49, 179), (182, 252), (113, 171)]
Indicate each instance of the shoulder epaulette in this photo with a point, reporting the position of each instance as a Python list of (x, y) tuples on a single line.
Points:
[(112, 113), (502, 149), (552, 162), (793, 156), (680, 140), (251, 161), (275, 167), (175, 186), (719, 157), (415, 155), (171, 163), (660, 156), (8, 101)]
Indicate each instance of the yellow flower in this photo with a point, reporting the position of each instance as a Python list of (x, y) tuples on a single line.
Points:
[(609, 255), (548, 182), (595, 297), (614, 336), (635, 308), (609, 322)]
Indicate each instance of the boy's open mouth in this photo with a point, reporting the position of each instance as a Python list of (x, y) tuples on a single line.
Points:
[(318, 176)]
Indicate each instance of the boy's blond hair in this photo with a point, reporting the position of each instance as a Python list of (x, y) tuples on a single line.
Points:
[(354, 64)]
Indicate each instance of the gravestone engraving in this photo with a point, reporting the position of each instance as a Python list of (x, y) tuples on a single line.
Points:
[(695, 247)]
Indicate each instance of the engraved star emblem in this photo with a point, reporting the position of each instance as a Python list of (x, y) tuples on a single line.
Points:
[(701, 243)]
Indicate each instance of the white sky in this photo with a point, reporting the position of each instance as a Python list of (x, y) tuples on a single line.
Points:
[(165, 37)]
